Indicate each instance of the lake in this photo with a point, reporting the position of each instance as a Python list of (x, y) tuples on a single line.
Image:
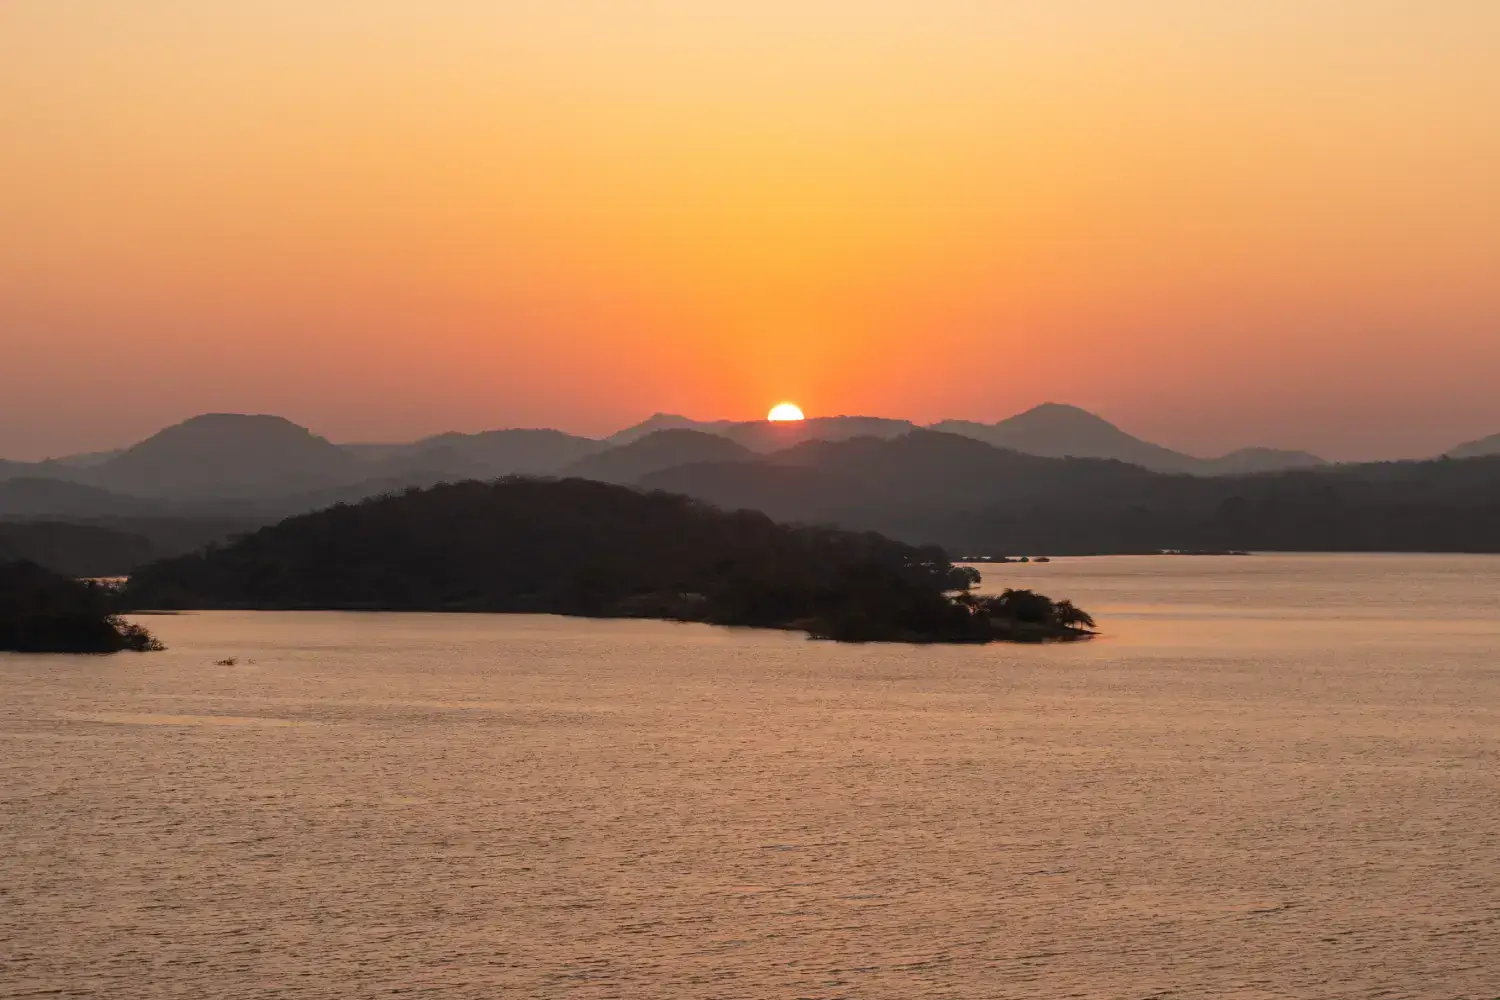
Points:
[(1273, 776)]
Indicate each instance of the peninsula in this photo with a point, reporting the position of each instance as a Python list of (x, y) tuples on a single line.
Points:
[(579, 547)]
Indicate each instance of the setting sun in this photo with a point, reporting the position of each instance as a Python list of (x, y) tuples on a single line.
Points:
[(785, 411)]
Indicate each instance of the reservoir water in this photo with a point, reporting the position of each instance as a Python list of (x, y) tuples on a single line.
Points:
[(1272, 776)]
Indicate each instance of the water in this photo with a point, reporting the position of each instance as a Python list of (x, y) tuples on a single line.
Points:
[(1274, 777)]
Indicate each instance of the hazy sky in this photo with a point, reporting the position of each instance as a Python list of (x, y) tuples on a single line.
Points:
[(1217, 222)]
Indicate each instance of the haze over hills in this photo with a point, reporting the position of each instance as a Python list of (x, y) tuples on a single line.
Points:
[(1052, 430), (1477, 449), (663, 449), (865, 481), (1057, 430), (929, 487), (214, 476), (235, 470), (88, 460), (222, 455), (37, 497), (486, 454), (218, 458), (257, 457), (1247, 461), (768, 436), (78, 550), (666, 422)]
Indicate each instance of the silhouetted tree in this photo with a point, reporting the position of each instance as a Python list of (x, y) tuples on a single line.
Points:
[(42, 612)]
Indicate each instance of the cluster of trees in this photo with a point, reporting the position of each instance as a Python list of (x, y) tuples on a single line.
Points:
[(581, 548), (1011, 616), (42, 612)]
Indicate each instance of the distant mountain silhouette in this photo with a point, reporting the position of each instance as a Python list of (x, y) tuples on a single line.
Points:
[(56, 469), (81, 530), (485, 455), (896, 484), (1478, 449), (112, 545), (25, 497), (225, 455), (86, 460), (17, 470), (666, 422), (656, 451), (967, 496), (236, 465), (766, 435), (76, 550), (921, 487), (1248, 461), (265, 458), (1058, 430)]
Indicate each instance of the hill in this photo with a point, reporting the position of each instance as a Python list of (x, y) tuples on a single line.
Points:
[(1247, 461), (1482, 448), (75, 550), (86, 460), (967, 496), (13, 470), (24, 497), (666, 422), (906, 486), (768, 436), (656, 451), (269, 463), (225, 455), (111, 546), (485, 455), (586, 548), (54, 469), (1057, 430)]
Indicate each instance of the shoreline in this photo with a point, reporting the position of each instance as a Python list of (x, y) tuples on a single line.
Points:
[(1013, 633)]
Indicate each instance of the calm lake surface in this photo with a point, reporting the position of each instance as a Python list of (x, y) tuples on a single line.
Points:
[(1275, 776)]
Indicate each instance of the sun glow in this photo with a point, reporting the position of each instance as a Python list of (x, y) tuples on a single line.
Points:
[(785, 411)]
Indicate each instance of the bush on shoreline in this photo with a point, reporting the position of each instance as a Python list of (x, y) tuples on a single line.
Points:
[(42, 612)]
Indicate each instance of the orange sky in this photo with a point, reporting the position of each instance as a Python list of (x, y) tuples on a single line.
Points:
[(1216, 222)]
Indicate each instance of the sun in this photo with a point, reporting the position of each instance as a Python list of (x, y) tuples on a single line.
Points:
[(785, 411)]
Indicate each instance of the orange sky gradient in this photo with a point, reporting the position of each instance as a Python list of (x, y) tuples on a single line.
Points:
[(1218, 223)]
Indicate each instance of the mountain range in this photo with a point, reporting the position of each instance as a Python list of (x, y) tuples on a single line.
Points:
[(970, 497), (1055, 479), (222, 457)]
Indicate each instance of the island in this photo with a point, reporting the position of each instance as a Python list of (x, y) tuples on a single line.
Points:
[(585, 548), (43, 612)]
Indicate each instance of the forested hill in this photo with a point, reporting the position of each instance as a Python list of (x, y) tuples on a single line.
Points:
[(973, 498), (586, 548)]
